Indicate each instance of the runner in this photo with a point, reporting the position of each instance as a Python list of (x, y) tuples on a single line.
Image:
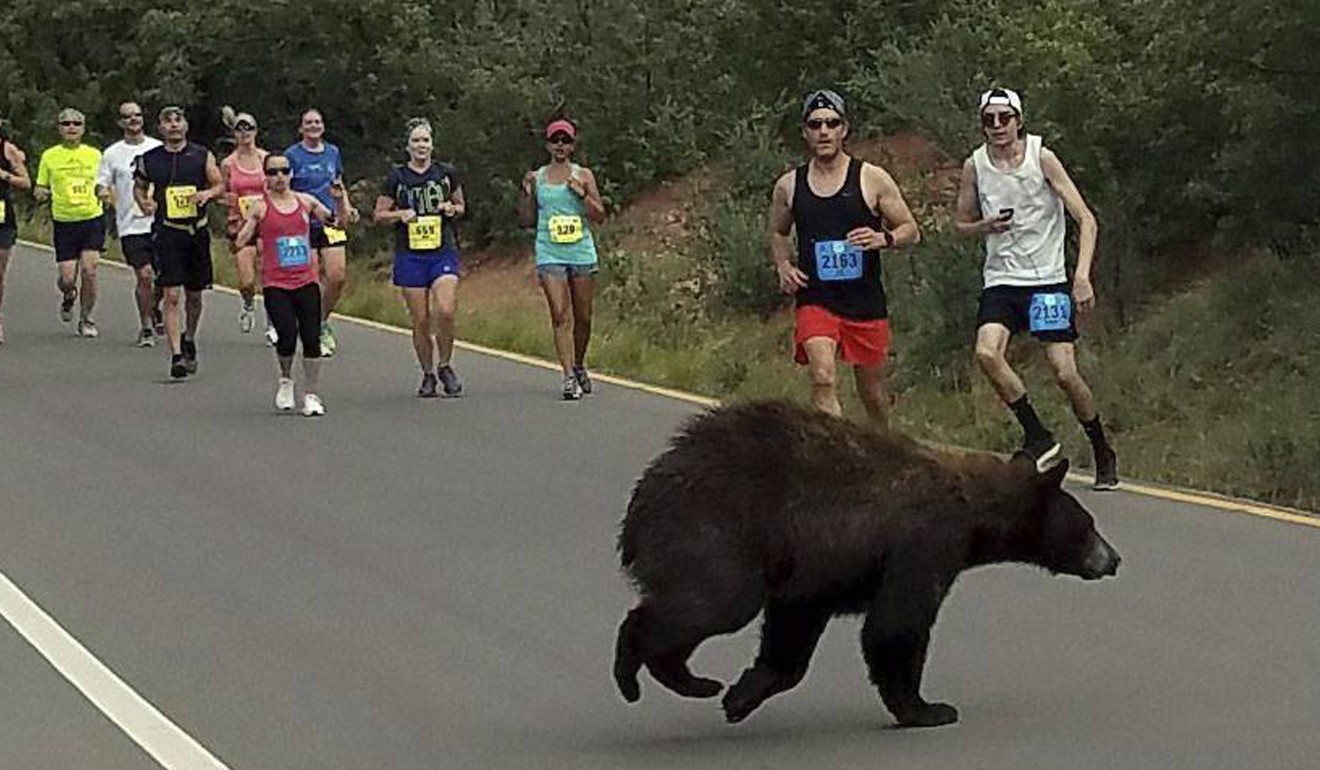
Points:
[(423, 198), (845, 212), (1013, 194), (133, 227), (289, 276), (244, 185), (316, 166), (13, 175), (66, 176), (174, 183), (562, 200)]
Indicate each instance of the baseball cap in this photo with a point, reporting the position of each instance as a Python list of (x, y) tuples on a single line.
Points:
[(168, 110), (69, 113), (823, 99), (244, 117), (560, 127), (1001, 96)]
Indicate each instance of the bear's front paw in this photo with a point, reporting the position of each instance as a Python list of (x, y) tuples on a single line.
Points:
[(928, 715)]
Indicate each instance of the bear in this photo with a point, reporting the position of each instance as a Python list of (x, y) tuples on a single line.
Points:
[(768, 507)]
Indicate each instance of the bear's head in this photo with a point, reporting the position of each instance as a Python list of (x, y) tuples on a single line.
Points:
[(1064, 534)]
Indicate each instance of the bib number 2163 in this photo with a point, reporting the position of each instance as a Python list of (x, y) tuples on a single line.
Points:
[(838, 261)]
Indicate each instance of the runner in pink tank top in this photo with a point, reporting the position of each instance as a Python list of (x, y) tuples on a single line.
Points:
[(245, 183), (292, 294)]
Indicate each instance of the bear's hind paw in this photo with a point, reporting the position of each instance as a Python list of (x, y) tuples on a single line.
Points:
[(929, 715)]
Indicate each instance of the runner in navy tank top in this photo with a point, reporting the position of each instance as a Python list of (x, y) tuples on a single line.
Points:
[(845, 212)]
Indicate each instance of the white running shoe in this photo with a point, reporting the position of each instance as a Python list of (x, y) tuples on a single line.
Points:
[(272, 336), (284, 400), (312, 406), (87, 328)]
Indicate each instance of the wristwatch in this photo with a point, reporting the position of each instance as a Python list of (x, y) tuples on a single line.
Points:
[(889, 239)]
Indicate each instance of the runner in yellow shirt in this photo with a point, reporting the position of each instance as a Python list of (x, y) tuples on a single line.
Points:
[(66, 176)]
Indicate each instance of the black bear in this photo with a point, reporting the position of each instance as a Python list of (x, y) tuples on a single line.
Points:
[(769, 506)]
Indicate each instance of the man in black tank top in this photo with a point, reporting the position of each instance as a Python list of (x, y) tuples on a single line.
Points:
[(845, 213), (174, 183), (13, 176)]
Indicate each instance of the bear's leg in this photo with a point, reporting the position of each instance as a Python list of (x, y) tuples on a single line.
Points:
[(788, 638), (895, 637)]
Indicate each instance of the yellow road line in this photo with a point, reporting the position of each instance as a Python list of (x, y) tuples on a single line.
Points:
[(1193, 497)]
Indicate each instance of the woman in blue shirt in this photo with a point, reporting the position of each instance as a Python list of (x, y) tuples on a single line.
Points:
[(562, 200)]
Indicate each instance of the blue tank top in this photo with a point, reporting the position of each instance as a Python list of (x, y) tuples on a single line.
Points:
[(563, 233), (314, 172)]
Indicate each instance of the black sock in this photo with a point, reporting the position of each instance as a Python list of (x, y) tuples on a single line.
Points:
[(1096, 432), (1026, 415)]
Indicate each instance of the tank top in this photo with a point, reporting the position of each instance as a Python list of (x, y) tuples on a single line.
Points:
[(1030, 253), (563, 232), (841, 278), (288, 260), (6, 201), (246, 186), (175, 177)]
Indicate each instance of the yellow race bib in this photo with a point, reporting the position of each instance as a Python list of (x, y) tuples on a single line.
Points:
[(245, 204), (179, 202), (565, 228), (2, 211), (424, 233), (79, 193), (334, 235)]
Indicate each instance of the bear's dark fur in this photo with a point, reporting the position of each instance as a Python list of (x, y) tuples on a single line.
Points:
[(768, 506)]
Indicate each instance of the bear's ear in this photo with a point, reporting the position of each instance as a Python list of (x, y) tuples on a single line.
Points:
[(1053, 477)]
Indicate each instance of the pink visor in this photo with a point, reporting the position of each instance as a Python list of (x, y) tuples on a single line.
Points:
[(560, 127)]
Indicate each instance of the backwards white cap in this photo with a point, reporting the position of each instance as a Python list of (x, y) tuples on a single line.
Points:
[(1001, 96)]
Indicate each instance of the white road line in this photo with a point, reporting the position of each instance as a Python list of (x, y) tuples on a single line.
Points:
[(153, 731)]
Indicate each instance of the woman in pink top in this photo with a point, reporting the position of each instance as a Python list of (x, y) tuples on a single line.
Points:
[(244, 184), (289, 275)]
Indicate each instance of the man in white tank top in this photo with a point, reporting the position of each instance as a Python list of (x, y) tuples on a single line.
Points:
[(1013, 194)]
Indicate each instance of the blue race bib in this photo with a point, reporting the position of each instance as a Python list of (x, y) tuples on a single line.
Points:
[(838, 261), (293, 251), (1050, 312)]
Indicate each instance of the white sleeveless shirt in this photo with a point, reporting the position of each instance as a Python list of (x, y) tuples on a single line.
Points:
[(1030, 253)]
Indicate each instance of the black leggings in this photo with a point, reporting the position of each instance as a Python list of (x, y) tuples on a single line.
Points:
[(295, 313)]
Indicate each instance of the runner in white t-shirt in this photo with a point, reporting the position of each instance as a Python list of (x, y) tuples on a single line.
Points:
[(116, 180)]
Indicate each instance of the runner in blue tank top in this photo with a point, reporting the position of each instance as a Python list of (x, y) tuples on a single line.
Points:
[(563, 201)]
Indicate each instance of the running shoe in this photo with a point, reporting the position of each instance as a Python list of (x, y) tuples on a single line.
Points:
[(178, 369), (1042, 450), (1106, 470), (158, 322), (449, 380), (246, 318), (146, 338), (583, 379), (328, 341), (87, 328), (66, 306), (427, 388), (189, 348), (284, 400), (312, 406), (572, 388), (272, 336)]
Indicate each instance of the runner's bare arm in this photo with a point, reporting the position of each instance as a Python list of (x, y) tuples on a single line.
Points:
[(18, 178), (229, 199), (457, 204), (781, 225), (888, 201), (215, 184), (527, 201), (592, 199), (1062, 184), (105, 179), (386, 214), (967, 217), (255, 212), (142, 190), (351, 214), (41, 190)]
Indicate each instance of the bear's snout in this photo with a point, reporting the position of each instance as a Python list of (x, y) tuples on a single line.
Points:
[(1102, 562)]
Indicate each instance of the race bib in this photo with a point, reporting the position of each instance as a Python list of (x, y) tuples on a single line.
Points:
[(293, 251), (1050, 312), (424, 233), (245, 204), (79, 192), (334, 236), (2, 211), (565, 228), (838, 261), (179, 202)]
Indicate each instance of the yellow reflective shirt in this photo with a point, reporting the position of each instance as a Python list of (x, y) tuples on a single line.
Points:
[(70, 175)]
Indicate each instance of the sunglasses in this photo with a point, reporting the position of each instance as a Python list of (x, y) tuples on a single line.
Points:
[(70, 122), (279, 171), (831, 123), (996, 119), (561, 139), (129, 115), (245, 127)]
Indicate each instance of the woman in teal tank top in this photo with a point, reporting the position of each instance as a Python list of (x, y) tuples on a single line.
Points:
[(562, 200)]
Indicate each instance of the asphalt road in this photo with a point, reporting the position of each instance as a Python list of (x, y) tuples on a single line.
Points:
[(408, 584)]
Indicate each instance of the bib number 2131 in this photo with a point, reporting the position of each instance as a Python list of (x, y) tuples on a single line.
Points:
[(1050, 312)]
